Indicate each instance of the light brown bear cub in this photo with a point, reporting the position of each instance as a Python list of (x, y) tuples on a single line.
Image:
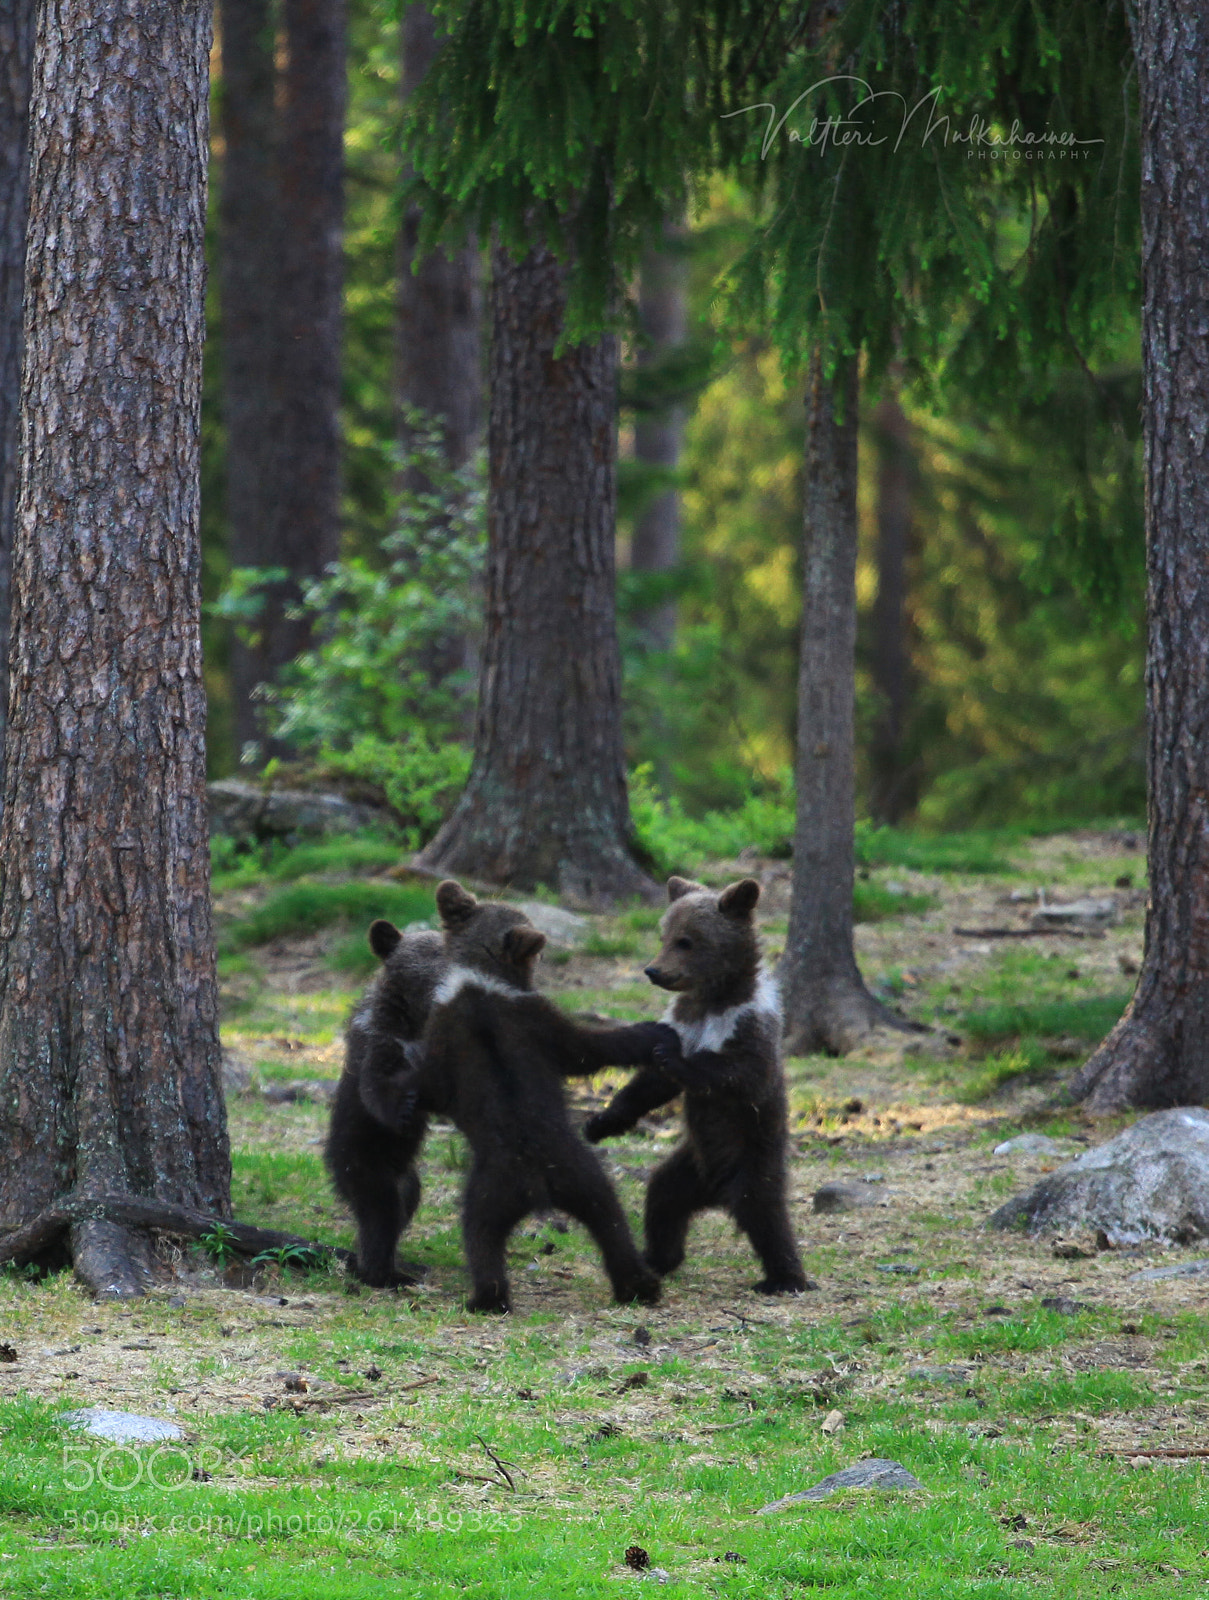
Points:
[(726, 1059), (493, 1059)]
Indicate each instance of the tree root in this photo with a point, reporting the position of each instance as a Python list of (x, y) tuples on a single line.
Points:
[(835, 1015), (116, 1263)]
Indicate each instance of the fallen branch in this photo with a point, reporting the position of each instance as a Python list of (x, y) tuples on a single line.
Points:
[(32, 1238), (1027, 933), (1166, 1455)]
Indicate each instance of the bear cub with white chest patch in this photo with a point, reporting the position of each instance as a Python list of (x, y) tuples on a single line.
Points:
[(726, 1060), (493, 1059)]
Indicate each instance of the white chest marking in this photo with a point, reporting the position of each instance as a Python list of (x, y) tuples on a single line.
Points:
[(459, 978), (714, 1032)]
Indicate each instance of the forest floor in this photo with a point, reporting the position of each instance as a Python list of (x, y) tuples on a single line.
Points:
[(1052, 1402)]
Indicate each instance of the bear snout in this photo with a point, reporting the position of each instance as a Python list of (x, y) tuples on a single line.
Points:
[(660, 978)]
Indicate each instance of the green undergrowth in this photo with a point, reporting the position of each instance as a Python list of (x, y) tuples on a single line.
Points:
[(308, 907), (237, 865)]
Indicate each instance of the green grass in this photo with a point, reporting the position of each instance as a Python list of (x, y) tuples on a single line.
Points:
[(976, 852), (235, 865), (306, 907), (874, 902), (1088, 1019)]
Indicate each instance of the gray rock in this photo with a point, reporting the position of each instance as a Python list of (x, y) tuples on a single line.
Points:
[(1076, 914), (1189, 1269), (1031, 1144), (841, 1197), (237, 1070), (1150, 1182), (247, 811), (878, 1473), (559, 926), (939, 1374), (126, 1427), (901, 1269)]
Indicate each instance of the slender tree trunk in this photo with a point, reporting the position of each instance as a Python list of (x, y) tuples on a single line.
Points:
[(827, 1006), (659, 435), (440, 307), (293, 212), (895, 786), (1158, 1054), (16, 60), (546, 802), (250, 246), (109, 1055)]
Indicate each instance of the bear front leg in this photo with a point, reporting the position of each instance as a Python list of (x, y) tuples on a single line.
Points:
[(645, 1091), (390, 1082)]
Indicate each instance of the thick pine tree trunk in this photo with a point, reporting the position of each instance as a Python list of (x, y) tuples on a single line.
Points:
[(249, 256), (1158, 1054), (894, 790), (659, 435), (827, 1006), (109, 1054), (546, 802), (16, 58), (440, 304)]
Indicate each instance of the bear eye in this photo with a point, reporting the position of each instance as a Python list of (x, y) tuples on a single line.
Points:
[(684, 944)]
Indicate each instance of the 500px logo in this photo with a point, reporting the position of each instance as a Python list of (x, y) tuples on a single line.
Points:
[(121, 1467)]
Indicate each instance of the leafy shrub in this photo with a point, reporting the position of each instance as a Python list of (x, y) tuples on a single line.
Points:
[(305, 907)]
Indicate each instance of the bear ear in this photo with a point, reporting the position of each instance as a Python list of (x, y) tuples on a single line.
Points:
[(455, 904), (739, 899), (523, 944), (677, 888), (384, 938)]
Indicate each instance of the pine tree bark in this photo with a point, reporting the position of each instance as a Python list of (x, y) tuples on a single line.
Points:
[(546, 800), (827, 1006), (1158, 1054), (659, 435), (894, 790), (109, 1053), (249, 221), (16, 60), (440, 305)]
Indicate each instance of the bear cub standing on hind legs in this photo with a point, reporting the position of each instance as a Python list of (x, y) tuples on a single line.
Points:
[(726, 1059), (493, 1059), (372, 1165)]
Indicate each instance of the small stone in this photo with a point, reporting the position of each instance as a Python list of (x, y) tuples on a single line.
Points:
[(1064, 1250), (833, 1423), (900, 1269), (8, 1352), (373, 1373), (294, 1382), (939, 1374), (121, 1426), (642, 1336), (1087, 913), (1064, 1307), (840, 1197), (877, 1473), (1030, 1144)]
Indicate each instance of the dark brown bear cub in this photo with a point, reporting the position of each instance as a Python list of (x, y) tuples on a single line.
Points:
[(727, 1061), (493, 1059), (373, 1166)]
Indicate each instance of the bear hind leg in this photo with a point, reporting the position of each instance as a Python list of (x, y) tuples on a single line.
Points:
[(675, 1192), (496, 1200), (764, 1218), (580, 1186)]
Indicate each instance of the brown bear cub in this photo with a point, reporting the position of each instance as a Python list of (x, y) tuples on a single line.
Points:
[(372, 1165), (726, 1059), (493, 1059)]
